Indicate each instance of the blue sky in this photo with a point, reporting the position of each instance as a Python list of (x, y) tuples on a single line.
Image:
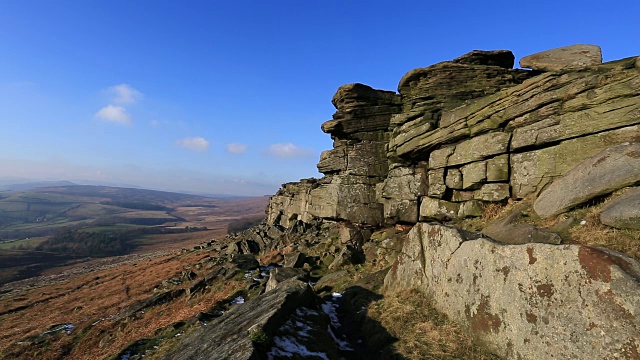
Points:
[(228, 97)]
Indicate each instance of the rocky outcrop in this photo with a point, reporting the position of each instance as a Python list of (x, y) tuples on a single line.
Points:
[(464, 133), (568, 57), (623, 212), (602, 174), (468, 132), (533, 301)]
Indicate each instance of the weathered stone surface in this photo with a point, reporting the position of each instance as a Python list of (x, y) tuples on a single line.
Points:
[(504, 230), (437, 186), (245, 262), (437, 88), (498, 168), (492, 192), (437, 209), (295, 259), (227, 337), (461, 195), (401, 191), (564, 58), (534, 301), (472, 208), (623, 212), (480, 147), (453, 179), (405, 183), (607, 171), (569, 104), (473, 175), (361, 109), (440, 158), (332, 161), (346, 197), (291, 203), (450, 84), (356, 95), (280, 275), (534, 170), (501, 58)]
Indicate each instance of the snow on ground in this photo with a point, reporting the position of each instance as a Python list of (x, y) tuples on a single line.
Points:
[(237, 301), (330, 308), (342, 344), (287, 346)]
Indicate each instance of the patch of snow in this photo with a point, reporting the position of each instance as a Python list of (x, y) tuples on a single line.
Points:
[(126, 356), (303, 311), (237, 301), (330, 309), (583, 222), (336, 295), (287, 346), (302, 327), (342, 344), (68, 328)]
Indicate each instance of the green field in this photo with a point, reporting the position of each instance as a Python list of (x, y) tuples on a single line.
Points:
[(31, 242)]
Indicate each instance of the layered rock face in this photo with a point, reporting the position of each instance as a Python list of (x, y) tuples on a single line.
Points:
[(464, 133), (353, 168)]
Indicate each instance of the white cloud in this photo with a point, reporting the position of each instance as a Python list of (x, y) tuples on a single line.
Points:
[(288, 150), (124, 94), (115, 114), (194, 143), (236, 148)]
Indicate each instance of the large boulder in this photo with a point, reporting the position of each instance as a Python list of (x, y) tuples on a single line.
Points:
[(280, 275), (623, 212), (607, 171), (563, 58), (533, 301)]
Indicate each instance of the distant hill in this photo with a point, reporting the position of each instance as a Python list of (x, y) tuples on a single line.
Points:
[(42, 211), (33, 185)]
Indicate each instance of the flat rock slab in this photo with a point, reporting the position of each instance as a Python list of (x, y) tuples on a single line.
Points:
[(505, 230), (564, 58), (532, 301), (612, 169), (227, 337), (623, 212)]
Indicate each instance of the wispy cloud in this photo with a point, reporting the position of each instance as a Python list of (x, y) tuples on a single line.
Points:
[(114, 114), (288, 151), (124, 94), (194, 143), (236, 148)]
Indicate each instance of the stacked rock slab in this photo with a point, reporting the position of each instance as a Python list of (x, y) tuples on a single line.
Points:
[(353, 168)]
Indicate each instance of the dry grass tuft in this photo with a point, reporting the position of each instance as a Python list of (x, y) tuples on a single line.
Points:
[(424, 332), (594, 233)]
